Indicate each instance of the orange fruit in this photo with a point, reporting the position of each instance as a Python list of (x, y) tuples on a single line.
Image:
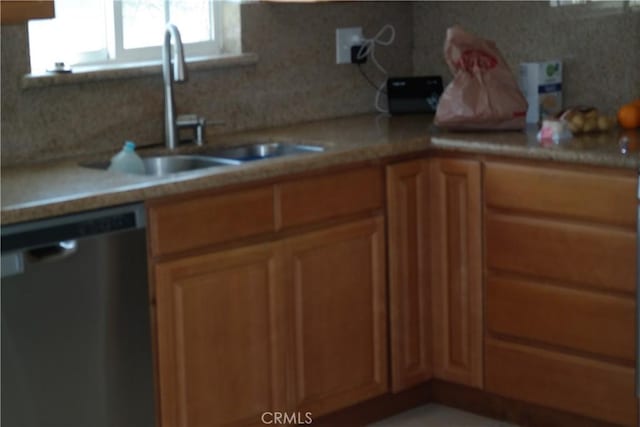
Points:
[(629, 116)]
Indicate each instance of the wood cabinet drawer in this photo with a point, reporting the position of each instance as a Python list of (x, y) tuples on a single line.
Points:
[(177, 225), (596, 389), (585, 255), (596, 197), (330, 196), (569, 318)]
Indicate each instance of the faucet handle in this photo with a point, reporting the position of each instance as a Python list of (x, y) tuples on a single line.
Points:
[(188, 120), (194, 122)]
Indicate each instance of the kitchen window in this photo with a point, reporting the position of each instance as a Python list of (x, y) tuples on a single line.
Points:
[(99, 33)]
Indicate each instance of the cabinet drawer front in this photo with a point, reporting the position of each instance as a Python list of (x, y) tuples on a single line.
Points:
[(596, 389), (562, 251), (179, 225), (330, 196), (583, 321), (590, 196)]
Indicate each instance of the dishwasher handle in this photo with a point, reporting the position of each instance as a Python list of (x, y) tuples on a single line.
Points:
[(15, 263), (57, 238), (50, 253)]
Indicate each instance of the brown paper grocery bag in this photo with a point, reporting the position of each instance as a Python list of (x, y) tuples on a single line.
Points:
[(484, 94)]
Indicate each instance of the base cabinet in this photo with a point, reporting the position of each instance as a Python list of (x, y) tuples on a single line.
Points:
[(221, 341), (435, 272), (338, 317), (560, 288), (456, 247), (501, 277), (409, 273), (292, 325)]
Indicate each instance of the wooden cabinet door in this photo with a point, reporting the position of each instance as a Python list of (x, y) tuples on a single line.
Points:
[(409, 284), (336, 291), (457, 271), (220, 322)]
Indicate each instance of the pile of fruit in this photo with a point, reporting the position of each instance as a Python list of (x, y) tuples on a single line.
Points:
[(581, 120), (587, 120)]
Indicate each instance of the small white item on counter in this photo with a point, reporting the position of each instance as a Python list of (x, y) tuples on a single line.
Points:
[(127, 160), (554, 131), (541, 83)]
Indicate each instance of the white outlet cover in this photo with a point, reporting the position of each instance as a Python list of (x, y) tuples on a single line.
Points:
[(345, 38)]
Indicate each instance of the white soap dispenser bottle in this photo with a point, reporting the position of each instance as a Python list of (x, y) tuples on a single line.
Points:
[(127, 160)]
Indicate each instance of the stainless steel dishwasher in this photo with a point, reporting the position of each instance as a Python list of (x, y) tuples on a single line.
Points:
[(76, 342)]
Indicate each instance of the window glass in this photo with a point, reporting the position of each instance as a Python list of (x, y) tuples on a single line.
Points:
[(193, 18), (142, 23), (95, 32)]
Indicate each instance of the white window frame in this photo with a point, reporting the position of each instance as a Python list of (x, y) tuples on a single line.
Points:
[(206, 48), (115, 53)]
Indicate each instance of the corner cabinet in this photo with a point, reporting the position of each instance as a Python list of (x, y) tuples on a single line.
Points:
[(435, 272), (409, 273), (456, 289), (283, 314)]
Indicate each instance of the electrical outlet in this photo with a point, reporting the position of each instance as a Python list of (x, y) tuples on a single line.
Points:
[(345, 38)]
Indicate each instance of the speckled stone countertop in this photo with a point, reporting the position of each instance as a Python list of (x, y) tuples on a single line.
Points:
[(55, 188)]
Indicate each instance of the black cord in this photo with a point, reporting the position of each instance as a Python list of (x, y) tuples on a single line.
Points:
[(369, 80)]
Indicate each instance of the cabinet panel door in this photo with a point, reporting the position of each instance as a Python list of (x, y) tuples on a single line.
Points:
[(409, 285), (220, 340), (337, 294), (457, 271)]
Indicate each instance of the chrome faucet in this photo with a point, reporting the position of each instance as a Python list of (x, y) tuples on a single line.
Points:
[(178, 75)]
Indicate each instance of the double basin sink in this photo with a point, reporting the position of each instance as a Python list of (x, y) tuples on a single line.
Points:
[(175, 163)]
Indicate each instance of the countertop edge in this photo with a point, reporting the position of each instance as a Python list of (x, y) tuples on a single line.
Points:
[(349, 140)]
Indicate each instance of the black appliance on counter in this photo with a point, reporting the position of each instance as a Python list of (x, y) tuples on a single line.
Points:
[(408, 95)]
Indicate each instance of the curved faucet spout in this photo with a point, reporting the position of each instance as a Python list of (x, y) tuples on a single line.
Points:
[(178, 75)]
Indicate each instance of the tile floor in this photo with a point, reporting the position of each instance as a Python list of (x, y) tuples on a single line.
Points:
[(433, 415)]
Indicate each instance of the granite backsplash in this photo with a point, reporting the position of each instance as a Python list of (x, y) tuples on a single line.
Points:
[(599, 43)]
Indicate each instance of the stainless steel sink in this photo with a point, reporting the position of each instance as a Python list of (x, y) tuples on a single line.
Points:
[(170, 164), (166, 165), (264, 150), (215, 157)]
